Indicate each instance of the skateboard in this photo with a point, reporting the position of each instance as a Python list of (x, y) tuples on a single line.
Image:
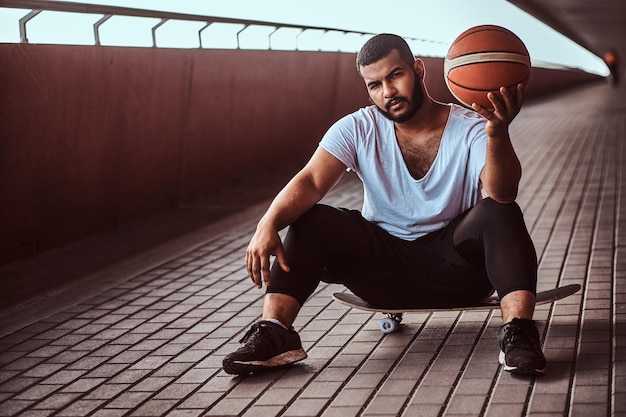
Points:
[(394, 316)]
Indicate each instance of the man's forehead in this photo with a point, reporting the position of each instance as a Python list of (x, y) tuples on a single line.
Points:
[(386, 64)]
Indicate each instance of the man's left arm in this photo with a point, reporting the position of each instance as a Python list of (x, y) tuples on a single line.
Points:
[(502, 171)]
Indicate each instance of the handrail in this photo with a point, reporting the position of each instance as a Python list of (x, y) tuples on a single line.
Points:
[(65, 6), (154, 29), (37, 6), (96, 28), (23, 21)]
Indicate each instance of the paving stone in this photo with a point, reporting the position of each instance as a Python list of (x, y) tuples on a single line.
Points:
[(56, 401), (176, 391), (111, 412), (228, 407), (499, 410), (323, 389), (80, 408), (152, 384), (385, 405), (427, 410), (352, 397), (199, 401), (277, 396), (470, 405), (154, 408), (107, 391), (129, 400), (63, 377)]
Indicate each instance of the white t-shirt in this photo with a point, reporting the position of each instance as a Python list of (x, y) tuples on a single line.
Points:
[(365, 142)]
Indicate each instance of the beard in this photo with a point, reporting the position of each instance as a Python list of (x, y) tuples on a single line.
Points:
[(415, 103)]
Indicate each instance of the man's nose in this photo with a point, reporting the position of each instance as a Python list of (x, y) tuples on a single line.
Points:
[(389, 90)]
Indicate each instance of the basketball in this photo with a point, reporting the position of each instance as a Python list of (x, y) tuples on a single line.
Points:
[(483, 59)]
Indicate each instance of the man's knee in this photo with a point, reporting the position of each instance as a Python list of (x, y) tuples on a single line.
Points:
[(316, 216), (496, 208), (499, 214)]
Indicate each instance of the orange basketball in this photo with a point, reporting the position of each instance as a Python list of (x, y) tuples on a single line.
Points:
[(483, 59)]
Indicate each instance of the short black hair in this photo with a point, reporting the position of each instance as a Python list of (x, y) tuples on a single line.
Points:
[(379, 46)]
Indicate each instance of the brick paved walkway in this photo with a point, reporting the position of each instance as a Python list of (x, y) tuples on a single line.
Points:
[(150, 342)]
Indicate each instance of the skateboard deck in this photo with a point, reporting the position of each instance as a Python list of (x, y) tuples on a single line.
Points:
[(394, 315)]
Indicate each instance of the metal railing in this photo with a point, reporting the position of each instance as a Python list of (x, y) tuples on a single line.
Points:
[(107, 12)]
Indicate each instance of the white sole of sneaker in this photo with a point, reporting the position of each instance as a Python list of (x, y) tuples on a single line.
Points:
[(286, 358), (515, 369)]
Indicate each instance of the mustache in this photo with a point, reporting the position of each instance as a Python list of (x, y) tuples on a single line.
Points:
[(393, 101)]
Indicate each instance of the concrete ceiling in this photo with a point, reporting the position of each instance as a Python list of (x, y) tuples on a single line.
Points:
[(597, 25)]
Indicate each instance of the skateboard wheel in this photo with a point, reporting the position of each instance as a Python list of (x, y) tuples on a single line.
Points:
[(388, 325)]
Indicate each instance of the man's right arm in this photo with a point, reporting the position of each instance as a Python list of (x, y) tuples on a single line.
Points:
[(304, 190)]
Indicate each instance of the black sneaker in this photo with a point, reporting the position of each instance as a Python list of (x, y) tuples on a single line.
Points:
[(266, 345), (520, 350)]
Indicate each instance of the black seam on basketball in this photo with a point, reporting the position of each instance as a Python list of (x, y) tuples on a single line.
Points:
[(499, 51), (486, 90), (486, 62)]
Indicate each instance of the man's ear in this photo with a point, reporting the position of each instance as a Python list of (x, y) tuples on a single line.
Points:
[(419, 67)]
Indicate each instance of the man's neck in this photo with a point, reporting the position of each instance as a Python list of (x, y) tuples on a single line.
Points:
[(431, 116)]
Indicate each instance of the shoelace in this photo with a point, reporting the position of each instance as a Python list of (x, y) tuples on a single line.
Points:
[(518, 336), (254, 330)]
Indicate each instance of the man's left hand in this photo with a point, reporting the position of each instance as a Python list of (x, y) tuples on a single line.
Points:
[(507, 103)]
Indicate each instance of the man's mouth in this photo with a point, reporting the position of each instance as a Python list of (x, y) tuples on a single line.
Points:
[(393, 102)]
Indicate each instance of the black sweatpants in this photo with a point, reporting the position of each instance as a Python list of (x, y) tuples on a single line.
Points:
[(486, 247)]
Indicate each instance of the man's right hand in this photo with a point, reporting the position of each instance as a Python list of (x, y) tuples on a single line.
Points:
[(265, 243), (305, 189)]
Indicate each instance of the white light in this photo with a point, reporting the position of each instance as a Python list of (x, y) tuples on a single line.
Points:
[(256, 37), (179, 34), (285, 39), (9, 24), (128, 31), (309, 40), (69, 28), (352, 42), (220, 35), (331, 41)]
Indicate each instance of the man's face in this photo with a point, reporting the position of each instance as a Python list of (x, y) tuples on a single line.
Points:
[(394, 87)]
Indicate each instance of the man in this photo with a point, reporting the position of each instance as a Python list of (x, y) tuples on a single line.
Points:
[(425, 235)]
